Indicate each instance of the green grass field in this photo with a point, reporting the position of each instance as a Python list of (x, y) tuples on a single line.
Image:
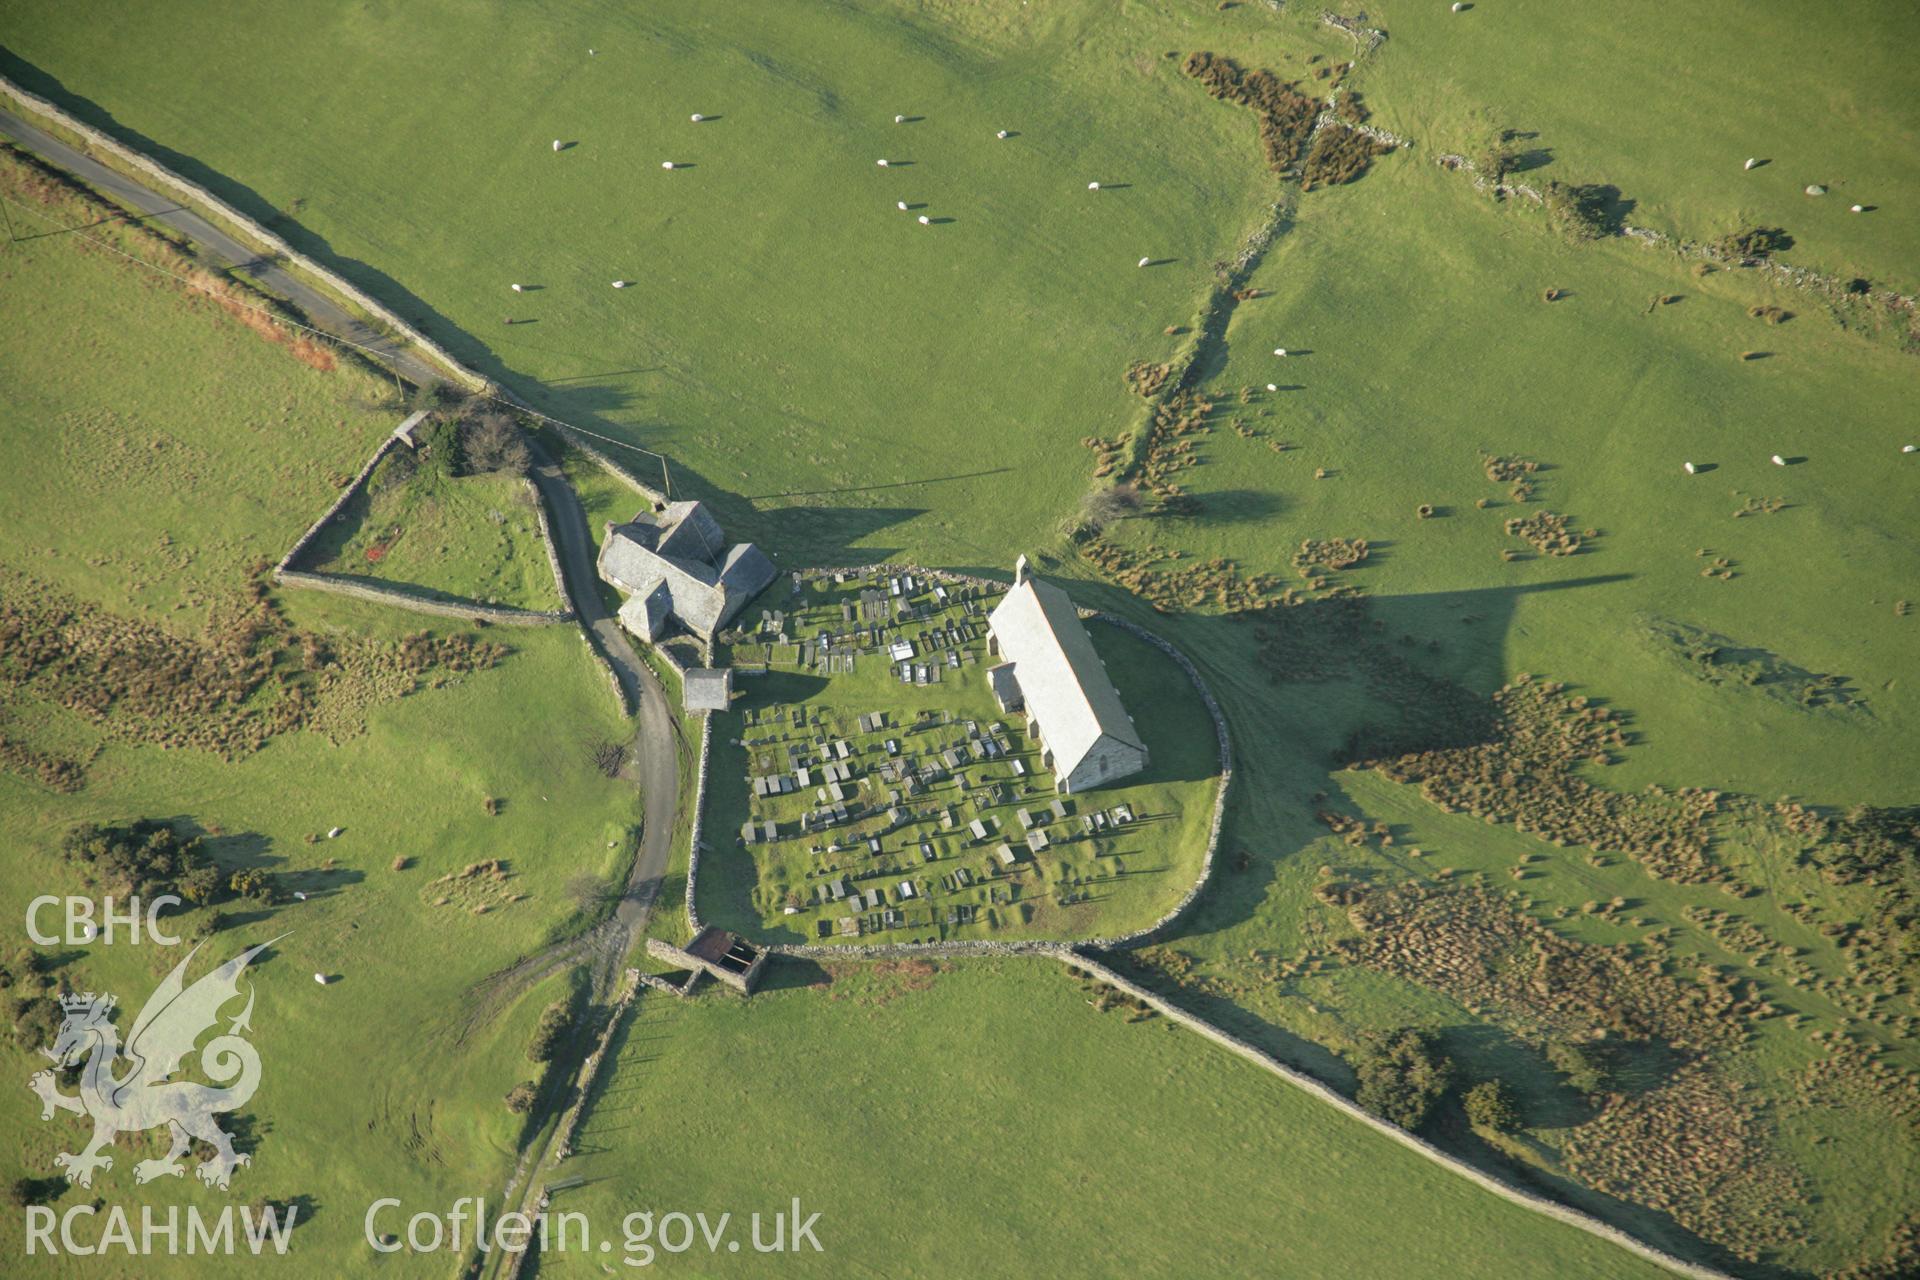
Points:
[(845, 386), (1668, 103), (363, 1090), (985, 1112), (1081, 885), (475, 537)]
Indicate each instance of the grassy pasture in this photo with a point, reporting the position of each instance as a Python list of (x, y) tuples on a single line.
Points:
[(364, 1093), (1428, 345), (879, 381), (1667, 102), (1093, 1143), (471, 536), (798, 346)]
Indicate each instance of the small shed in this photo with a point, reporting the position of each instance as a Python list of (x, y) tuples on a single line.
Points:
[(707, 689)]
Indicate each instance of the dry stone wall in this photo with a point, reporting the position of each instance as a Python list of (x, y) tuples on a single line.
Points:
[(1325, 1093)]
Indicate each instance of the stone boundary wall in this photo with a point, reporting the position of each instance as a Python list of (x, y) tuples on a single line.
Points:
[(393, 594), (1804, 278), (590, 1069), (1300, 1080), (1366, 39), (698, 825), (238, 224), (1224, 744), (546, 540), (400, 597), (955, 947), (346, 495), (611, 467)]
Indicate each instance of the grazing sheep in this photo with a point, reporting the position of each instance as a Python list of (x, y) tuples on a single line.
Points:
[(899, 119), (1273, 386), (666, 164), (1859, 208), (1280, 351), (1815, 189), (881, 163), (901, 205), (1688, 466), (1910, 448), (556, 144), (322, 979), (696, 117), (925, 221), (620, 284), (1093, 186), (1145, 261), (1779, 461), (516, 288), (1002, 135), (1753, 162), (1458, 7)]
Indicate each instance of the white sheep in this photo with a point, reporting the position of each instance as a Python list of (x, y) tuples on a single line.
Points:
[(666, 164), (516, 288), (1910, 448), (899, 119), (1280, 351), (1145, 261), (1688, 466), (1753, 162), (1093, 186), (925, 221), (881, 163), (322, 979), (901, 205), (1859, 208), (1002, 135), (620, 284), (1273, 386), (1779, 461), (696, 117)]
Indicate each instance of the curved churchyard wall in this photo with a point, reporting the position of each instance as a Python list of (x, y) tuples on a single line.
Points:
[(956, 947)]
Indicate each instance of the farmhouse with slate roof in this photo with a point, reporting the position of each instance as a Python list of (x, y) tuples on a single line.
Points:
[(1050, 671), (674, 565)]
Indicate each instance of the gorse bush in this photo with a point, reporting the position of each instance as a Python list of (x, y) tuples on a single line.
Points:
[(1402, 1075)]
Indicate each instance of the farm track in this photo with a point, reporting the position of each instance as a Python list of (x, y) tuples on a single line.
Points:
[(658, 741), (218, 248)]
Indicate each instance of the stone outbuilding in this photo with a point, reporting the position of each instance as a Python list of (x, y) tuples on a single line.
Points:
[(724, 956), (674, 566), (707, 689), (1049, 671)]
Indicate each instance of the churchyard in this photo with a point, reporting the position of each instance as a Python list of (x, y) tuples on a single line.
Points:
[(865, 785)]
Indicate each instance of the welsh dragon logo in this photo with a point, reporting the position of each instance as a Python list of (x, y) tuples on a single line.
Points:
[(142, 1096)]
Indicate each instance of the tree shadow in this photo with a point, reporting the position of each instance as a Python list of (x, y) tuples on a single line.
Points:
[(1242, 506)]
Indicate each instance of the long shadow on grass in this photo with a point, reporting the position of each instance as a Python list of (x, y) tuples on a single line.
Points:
[(822, 535), (1305, 690)]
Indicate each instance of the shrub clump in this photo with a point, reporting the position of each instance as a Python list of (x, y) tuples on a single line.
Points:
[(549, 1031), (1286, 115), (1584, 211), (1402, 1074), (1340, 155), (1490, 1105), (1753, 243)]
